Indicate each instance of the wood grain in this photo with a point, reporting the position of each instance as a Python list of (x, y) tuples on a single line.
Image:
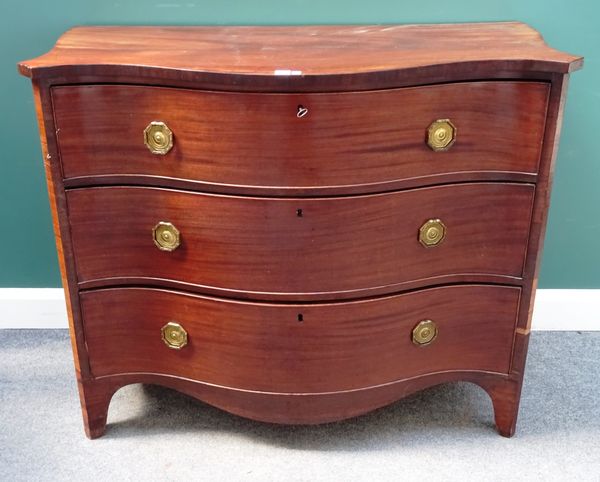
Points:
[(303, 408), (263, 247), (288, 191), (94, 416), (279, 58), (257, 140), (341, 242), (509, 398), (264, 347)]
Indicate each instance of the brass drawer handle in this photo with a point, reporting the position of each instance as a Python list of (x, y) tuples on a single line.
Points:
[(424, 333), (166, 236), (174, 335), (432, 233), (158, 137), (441, 134)]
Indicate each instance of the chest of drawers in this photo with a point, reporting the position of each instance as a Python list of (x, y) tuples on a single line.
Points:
[(300, 224)]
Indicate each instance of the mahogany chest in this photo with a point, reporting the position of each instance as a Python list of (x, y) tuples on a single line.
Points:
[(300, 224)]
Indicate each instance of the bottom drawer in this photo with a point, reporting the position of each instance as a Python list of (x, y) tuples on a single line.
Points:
[(302, 348)]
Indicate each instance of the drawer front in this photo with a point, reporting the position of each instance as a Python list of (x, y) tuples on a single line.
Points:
[(258, 140), (271, 247), (337, 346)]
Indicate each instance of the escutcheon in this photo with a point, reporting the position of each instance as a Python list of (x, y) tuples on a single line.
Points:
[(174, 335), (441, 134), (432, 233), (424, 333), (158, 137), (166, 236)]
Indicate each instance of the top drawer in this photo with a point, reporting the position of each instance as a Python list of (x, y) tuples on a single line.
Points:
[(336, 141)]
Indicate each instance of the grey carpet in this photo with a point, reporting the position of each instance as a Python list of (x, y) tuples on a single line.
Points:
[(444, 433)]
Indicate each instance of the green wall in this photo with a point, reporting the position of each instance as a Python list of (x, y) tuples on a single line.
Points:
[(29, 28)]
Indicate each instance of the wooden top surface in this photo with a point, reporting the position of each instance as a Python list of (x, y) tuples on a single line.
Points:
[(298, 51)]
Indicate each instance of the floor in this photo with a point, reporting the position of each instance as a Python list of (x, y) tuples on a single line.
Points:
[(444, 433)]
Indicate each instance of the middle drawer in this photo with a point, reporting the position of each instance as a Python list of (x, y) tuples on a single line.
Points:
[(299, 247)]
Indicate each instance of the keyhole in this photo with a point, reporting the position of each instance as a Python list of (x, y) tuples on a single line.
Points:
[(299, 213), (300, 317), (302, 111)]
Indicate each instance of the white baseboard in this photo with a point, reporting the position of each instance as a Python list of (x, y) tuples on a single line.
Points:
[(566, 310), (33, 308), (555, 310)]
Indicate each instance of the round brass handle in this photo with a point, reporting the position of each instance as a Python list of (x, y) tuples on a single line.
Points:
[(158, 137), (441, 134), (174, 335), (166, 236), (424, 333), (432, 233)]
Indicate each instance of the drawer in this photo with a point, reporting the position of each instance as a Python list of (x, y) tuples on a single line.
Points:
[(335, 346), (346, 141), (322, 247)]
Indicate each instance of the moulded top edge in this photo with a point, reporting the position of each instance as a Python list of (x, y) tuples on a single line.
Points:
[(297, 51)]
